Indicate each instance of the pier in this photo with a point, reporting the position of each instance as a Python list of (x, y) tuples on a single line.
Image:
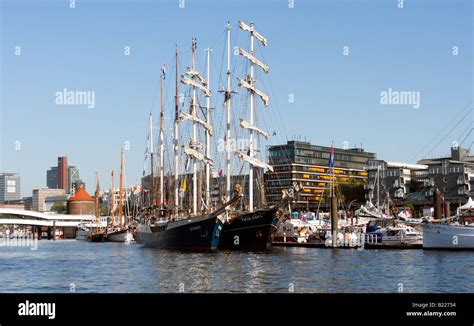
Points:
[(40, 223)]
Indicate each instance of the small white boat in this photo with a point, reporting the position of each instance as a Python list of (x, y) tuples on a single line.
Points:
[(83, 229), (400, 234), (81, 234), (123, 235)]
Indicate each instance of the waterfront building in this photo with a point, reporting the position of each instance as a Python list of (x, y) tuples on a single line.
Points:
[(394, 179), (81, 203), (10, 187), (106, 197), (40, 195), (306, 163), (453, 175)]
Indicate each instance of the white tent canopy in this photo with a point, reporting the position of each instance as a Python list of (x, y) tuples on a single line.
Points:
[(468, 205)]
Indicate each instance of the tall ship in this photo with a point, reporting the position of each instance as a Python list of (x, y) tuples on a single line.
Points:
[(197, 227), (454, 233), (189, 217), (251, 227)]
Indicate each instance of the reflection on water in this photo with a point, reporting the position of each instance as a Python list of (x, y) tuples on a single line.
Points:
[(112, 267)]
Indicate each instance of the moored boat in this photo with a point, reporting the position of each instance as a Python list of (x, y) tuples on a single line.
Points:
[(445, 236), (198, 233), (249, 230), (398, 235), (120, 235), (455, 233), (97, 237)]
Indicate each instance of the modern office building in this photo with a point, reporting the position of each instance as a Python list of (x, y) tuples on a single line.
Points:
[(10, 187), (52, 178), (306, 163), (40, 195)]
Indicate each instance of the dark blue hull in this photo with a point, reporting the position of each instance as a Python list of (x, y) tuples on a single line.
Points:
[(200, 233), (249, 231)]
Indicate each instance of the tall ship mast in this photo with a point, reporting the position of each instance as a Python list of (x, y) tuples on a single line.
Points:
[(122, 233), (252, 227), (97, 234), (194, 228)]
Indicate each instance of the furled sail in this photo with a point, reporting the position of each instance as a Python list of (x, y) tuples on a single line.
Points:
[(263, 96), (186, 116), (252, 30), (194, 73), (246, 125), (254, 60), (253, 161), (194, 153), (188, 81)]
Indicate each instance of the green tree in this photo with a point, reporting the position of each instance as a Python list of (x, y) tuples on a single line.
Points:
[(59, 207), (353, 191)]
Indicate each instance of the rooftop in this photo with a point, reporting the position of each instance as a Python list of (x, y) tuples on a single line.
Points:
[(407, 165), (81, 195)]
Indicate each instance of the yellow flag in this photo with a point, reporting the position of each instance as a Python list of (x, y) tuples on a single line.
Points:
[(184, 184)]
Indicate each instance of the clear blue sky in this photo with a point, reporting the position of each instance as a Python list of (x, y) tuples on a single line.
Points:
[(337, 97)]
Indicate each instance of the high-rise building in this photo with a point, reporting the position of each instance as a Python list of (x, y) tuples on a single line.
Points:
[(52, 178), (73, 181), (10, 187), (63, 176), (62, 172)]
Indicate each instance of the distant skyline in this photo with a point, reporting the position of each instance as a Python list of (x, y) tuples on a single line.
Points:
[(330, 64)]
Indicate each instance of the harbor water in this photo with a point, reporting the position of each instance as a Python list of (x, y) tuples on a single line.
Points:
[(80, 266)]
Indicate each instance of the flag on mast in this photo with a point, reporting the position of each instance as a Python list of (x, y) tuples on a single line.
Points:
[(331, 156), (163, 71)]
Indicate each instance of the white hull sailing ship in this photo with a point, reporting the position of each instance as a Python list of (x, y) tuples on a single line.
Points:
[(456, 233)]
